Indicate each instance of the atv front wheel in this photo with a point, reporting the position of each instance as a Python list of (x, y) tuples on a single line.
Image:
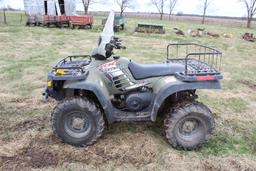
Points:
[(77, 121), (189, 125)]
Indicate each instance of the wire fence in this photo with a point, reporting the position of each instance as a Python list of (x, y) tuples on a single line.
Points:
[(8, 17), (19, 18), (228, 21)]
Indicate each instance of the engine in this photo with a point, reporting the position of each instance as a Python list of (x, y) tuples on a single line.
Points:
[(133, 101)]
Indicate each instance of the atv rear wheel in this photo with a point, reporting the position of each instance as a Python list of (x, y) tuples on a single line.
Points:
[(189, 125), (77, 121)]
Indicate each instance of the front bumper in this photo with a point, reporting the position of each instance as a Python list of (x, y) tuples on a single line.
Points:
[(50, 92)]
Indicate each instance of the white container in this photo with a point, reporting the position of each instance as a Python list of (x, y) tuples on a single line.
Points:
[(37, 7)]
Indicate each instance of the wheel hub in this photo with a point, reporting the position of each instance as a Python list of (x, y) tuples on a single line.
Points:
[(77, 123), (189, 126)]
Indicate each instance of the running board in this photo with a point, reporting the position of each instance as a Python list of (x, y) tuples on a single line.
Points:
[(127, 116)]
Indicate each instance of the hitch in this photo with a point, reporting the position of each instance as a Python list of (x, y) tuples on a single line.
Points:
[(45, 95)]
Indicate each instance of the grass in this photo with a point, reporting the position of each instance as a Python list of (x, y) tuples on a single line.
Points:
[(28, 53)]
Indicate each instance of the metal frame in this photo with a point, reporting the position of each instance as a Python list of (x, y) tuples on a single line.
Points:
[(64, 61), (201, 60), (82, 76)]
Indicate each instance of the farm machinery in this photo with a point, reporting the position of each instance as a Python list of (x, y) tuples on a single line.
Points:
[(101, 88), (150, 28), (85, 21), (58, 13), (119, 23)]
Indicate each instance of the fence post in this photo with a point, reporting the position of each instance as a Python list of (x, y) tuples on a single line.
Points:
[(5, 22), (21, 17)]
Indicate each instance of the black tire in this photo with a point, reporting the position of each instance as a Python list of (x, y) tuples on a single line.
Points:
[(77, 121), (90, 26), (116, 29), (122, 26), (189, 125), (70, 25)]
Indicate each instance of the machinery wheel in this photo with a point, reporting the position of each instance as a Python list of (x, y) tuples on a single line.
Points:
[(59, 25), (90, 26), (77, 121), (189, 125), (70, 24), (116, 29), (122, 26)]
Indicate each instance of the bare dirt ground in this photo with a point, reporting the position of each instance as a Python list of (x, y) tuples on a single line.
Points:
[(39, 149)]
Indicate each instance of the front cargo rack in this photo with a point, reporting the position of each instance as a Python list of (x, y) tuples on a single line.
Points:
[(71, 68), (201, 63)]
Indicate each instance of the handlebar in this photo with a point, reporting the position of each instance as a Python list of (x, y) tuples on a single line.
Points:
[(114, 43), (117, 43)]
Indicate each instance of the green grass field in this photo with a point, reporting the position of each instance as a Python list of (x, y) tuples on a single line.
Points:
[(26, 139)]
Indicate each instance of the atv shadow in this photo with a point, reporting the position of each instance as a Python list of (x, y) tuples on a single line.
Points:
[(147, 128)]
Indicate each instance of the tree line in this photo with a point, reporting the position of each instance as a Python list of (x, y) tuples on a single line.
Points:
[(160, 5)]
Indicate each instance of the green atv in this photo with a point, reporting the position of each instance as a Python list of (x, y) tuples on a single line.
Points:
[(99, 89)]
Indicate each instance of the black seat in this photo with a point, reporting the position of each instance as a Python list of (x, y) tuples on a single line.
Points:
[(143, 71)]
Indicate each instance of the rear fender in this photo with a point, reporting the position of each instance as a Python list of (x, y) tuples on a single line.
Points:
[(178, 86)]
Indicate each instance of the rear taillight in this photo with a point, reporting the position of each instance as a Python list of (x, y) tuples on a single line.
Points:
[(205, 78)]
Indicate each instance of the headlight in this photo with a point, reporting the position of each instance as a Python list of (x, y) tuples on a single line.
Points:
[(49, 83)]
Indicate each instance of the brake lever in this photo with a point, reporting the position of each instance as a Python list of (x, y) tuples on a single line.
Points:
[(113, 45)]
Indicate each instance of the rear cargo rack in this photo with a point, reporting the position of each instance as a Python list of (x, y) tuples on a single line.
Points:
[(201, 63), (71, 68)]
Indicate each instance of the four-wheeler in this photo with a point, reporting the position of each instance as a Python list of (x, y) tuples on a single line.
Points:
[(101, 88)]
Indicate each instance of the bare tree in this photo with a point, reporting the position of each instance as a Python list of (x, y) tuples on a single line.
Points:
[(123, 4), (206, 4), (172, 4), (159, 4), (87, 4), (250, 10)]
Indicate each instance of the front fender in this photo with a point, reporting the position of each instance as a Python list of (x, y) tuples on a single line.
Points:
[(177, 86), (105, 103)]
